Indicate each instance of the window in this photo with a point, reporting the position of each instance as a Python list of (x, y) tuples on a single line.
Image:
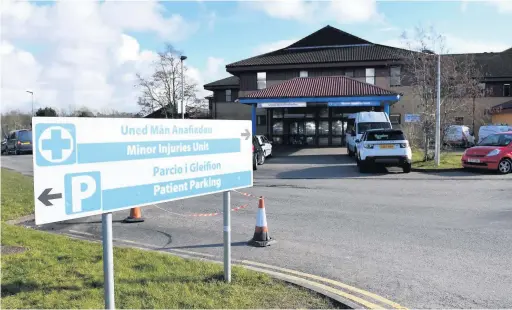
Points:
[(395, 119), (303, 73), (459, 120), (349, 73), (324, 112), (262, 80), (506, 90), (25, 135), (394, 76), (496, 140), (277, 113), (362, 127), (481, 86), (323, 127), (370, 76), (261, 120), (385, 135), (228, 95), (277, 128)]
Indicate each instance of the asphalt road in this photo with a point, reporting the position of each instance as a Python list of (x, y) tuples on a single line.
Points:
[(422, 240)]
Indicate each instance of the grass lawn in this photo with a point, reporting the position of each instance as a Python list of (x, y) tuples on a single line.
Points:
[(54, 271), (449, 160)]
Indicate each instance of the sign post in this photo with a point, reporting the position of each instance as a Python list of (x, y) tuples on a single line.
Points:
[(92, 166), (108, 259), (227, 236)]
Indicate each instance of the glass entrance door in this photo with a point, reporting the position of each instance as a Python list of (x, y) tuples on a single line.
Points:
[(302, 132)]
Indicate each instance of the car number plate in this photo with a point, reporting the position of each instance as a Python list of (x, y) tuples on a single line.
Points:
[(387, 146), (25, 143), (473, 160)]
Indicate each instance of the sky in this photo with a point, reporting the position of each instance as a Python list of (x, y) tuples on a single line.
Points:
[(81, 53)]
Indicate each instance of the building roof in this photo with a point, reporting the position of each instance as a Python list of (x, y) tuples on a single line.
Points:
[(507, 105), (324, 46), (496, 65), (323, 86), (229, 81)]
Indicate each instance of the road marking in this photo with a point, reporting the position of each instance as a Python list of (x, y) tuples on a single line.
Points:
[(333, 282), (248, 264), (351, 297), (82, 233)]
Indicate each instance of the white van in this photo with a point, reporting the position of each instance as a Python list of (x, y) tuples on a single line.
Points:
[(491, 129), (364, 121), (459, 135)]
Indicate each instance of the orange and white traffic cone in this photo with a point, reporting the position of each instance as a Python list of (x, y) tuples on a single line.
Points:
[(135, 216), (261, 237)]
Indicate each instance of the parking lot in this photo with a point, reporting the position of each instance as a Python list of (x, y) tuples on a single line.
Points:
[(398, 235)]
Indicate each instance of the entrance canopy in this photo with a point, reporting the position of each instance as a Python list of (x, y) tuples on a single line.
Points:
[(324, 91)]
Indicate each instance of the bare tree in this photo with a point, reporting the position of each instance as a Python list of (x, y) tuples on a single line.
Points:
[(460, 76), (162, 91), (14, 120), (198, 109)]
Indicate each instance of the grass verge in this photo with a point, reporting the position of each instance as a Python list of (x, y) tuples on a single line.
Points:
[(449, 160), (55, 271)]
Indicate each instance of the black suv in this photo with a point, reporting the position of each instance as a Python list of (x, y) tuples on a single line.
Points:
[(258, 157)]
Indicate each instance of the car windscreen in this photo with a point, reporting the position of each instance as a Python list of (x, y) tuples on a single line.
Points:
[(363, 127), (25, 136), (496, 140), (384, 136)]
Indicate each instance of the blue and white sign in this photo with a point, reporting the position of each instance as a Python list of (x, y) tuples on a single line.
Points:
[(354, 104), (89, 166), (282, 105), (412, 118)]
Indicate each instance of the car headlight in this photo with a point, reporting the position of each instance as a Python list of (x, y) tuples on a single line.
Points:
[(493, 152), (368, 146), (403, 145)]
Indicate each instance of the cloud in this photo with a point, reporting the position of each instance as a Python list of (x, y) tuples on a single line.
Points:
[(79, 53), (503, 6), (340, 11), (455, 44), (272, 46), (215, 70)]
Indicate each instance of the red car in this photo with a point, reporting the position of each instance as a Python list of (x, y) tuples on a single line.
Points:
[(492, 153)]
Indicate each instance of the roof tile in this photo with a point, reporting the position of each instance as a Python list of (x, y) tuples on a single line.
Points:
[(324, 86)]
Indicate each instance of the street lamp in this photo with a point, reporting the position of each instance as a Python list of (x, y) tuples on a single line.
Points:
[(182, 58), (31, 93), (437, 155)]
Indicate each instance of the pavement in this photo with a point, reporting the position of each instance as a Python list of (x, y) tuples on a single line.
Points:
[(439, 240)]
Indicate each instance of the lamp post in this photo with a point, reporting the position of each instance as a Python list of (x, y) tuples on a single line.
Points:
[(437, 153), (182, 58), (32, 94)]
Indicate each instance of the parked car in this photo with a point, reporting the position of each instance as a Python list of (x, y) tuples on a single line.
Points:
[(386, 147), (365, 121), (492, 153), (19, 141), (487, 130), (266, 145), (258, 157), (459, 135), (4, 145)]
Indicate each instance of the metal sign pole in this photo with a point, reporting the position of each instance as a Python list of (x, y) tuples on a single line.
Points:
[(108, 260), (227, 236)]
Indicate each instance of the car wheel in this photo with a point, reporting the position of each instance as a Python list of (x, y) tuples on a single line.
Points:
[(505, 166), (406, 168), (270, 154), (262, 159), (16, 151), (254, 162)]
